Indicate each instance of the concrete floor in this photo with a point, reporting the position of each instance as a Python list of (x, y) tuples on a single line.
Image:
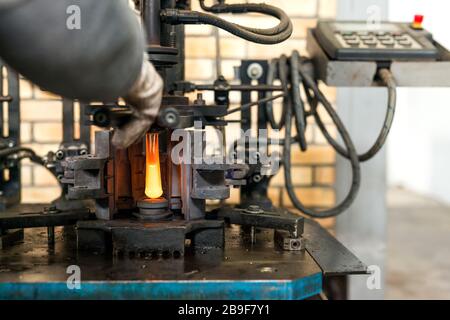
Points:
[(418, 247)]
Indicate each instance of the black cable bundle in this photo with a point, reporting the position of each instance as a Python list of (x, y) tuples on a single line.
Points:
[(274, 35), (22, 153), (292, 74)]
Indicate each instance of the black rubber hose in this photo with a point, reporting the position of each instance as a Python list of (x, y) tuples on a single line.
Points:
[(356, 169), (291, 88), (174, 16), (255, 103), (29, 153), (387, 78), (271, 76), (297, 102), (14, 150), (256, 8)]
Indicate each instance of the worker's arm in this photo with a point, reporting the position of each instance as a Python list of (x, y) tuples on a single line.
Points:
[(101, 60)]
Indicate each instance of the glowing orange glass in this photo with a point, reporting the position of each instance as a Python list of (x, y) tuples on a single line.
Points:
[(153, 185)]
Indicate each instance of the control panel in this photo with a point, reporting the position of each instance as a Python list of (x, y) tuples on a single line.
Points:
[(358, 40)]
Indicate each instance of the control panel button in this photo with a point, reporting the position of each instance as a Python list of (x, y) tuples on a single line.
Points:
[(388, 43), (371, 44), (353, 43), (348, 34), (405, 43)]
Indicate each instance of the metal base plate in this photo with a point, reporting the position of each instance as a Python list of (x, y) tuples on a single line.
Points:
[(33, 270)]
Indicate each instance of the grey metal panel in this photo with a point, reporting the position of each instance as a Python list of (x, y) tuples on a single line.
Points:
[(421, 74), (362, 228)]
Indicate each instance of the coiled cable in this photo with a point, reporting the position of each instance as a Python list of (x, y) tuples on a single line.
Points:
[(295, 69), (388, 80), (293, 75)]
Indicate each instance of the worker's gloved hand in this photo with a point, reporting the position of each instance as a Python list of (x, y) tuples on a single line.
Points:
[(145, 100)]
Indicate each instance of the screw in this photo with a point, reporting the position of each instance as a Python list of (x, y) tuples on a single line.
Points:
[(83, 152), (101, 119), (267, 270), (257, 178), (59, 154), (171, 118), (295, 244), (50, 210), (255, 71), (200, 100), (254, 208)]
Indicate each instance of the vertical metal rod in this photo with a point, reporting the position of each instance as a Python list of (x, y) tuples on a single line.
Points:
[(218, 53), (1, 103), (253, 235), (167, 31), (150, 10), (68, 120), (85, 128), (51, 235)]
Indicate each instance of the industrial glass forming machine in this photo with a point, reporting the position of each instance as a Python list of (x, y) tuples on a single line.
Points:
[(151, 221)]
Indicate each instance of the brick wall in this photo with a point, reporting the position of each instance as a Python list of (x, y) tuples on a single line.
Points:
[(313, 171)]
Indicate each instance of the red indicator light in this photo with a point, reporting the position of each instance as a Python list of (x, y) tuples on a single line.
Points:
[(418, 20)]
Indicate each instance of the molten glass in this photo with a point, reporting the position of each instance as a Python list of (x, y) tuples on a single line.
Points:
[(153, 185)]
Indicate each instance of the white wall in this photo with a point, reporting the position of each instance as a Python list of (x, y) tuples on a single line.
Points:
[(419, 145), (362, 228)]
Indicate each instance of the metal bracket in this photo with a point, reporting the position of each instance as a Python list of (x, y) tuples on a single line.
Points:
[(140, 239), (254, 216)]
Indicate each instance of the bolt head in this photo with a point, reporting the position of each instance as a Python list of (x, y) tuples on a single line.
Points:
[(255, 71), (257, 178), (171, 118), (254, 208)]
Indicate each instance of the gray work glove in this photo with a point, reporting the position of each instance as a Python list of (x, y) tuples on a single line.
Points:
[(145, 100)]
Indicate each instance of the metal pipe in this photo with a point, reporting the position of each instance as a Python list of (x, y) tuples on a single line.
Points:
[(150, 10), (210, 87)]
